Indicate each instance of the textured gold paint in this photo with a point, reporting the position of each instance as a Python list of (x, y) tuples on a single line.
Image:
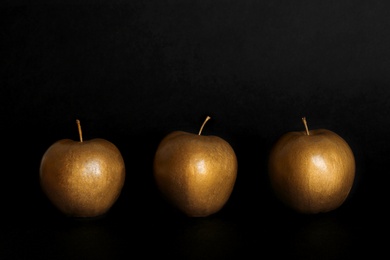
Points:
[(312, 173), (195, 173), (82, 179)]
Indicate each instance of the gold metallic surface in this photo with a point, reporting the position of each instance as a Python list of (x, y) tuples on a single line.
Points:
[(312, 173), (82, 179), (195, 173)]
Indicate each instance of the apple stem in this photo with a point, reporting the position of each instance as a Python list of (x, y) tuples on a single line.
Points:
[(201, 128), (305, 123), (79, 127)]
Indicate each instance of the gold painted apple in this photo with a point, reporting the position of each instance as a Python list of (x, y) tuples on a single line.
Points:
[(194, 172), (311, 171), (82, 178)]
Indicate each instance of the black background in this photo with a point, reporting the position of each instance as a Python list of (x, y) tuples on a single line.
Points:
[(133, 71)]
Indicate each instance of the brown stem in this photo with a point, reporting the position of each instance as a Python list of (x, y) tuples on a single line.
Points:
[(305, 123), (201, 128), (79, 127)]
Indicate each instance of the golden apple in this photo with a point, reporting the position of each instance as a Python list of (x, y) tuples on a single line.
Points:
[(196, 173), (82, 178), (311, 171)]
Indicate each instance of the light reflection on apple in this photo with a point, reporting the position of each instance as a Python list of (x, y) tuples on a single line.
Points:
[(319, 162)]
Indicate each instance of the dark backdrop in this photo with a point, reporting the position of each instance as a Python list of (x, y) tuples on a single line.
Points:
[(133, 71)]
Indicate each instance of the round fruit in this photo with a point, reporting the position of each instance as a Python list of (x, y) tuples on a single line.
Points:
[(311, 171)]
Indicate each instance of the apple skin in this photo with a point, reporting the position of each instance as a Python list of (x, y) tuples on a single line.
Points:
[(82, 179), (311, 173), (195, 173)]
